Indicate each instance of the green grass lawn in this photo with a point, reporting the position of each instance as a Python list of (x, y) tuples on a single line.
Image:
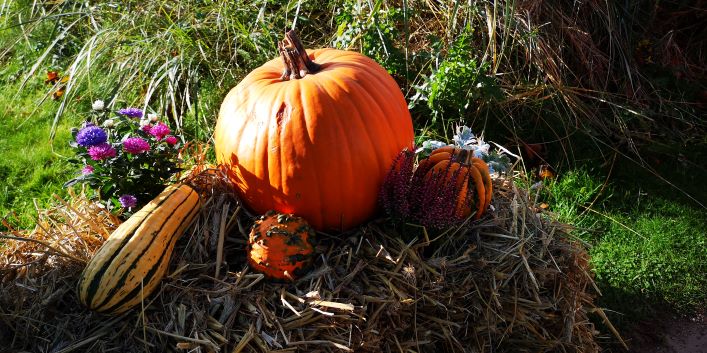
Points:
[(32, 168), (653, 253), (648, 242)]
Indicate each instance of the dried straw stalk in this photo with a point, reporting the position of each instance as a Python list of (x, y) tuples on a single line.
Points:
[(513, 282)]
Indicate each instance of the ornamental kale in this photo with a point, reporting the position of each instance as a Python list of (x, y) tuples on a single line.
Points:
[(126, 161)]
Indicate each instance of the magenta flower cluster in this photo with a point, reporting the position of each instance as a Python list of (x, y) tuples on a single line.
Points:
[(136, 145), (126, 160), (101, 152), (171, 140), (159, 131)]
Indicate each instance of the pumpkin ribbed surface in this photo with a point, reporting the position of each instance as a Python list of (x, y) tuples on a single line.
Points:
[(131, 263), (319, 146), (470, 174), (281, 245)]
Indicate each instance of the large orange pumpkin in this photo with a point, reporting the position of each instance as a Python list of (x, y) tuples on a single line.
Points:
[(281, 245), (456, 165), (316, 140)]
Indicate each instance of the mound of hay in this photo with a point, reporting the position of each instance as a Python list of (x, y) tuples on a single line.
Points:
[(513, 282)]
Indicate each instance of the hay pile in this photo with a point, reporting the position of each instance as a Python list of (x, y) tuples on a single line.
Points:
[(510, 283)]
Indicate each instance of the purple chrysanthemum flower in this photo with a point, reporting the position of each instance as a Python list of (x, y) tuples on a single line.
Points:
[(91, 135), (171, 140), (159, 131), (87, 170), (131, 112), (136, 145), (127, 201), (101, 152)]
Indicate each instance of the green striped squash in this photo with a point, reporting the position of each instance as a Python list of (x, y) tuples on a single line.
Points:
[(131, 263)]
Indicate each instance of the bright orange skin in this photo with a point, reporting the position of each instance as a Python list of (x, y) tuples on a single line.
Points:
[(470, 171), (319, 146), (281, 246)]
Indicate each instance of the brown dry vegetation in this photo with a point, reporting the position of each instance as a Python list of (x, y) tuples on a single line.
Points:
[(513, 281)]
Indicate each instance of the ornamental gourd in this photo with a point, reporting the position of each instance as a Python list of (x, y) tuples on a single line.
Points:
[(451, 164), (131, 263), (315, 139), (281, 245)]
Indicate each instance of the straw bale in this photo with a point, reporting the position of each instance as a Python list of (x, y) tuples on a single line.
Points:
[(513, 282)]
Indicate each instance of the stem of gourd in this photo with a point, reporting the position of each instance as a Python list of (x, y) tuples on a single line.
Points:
[(464, 156), (297, 62)]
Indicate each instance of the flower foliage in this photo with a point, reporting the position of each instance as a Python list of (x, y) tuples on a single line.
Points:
[(429, 198), (127, 161)]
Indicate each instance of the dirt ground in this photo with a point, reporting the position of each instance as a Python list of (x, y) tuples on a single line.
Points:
[(671, 335)]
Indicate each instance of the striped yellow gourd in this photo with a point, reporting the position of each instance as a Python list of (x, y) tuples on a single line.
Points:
[(131, 263)]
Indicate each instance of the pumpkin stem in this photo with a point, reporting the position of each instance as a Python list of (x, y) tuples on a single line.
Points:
[(297, 62), (464, 156)]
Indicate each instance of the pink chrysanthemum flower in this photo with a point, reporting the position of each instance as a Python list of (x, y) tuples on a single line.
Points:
[(171, 140), (87, 170), (101, 151), (159, 131), (135, 145)]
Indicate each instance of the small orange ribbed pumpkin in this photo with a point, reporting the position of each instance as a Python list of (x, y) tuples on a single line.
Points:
[(281, 245), (460, 163), (316, 140)]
